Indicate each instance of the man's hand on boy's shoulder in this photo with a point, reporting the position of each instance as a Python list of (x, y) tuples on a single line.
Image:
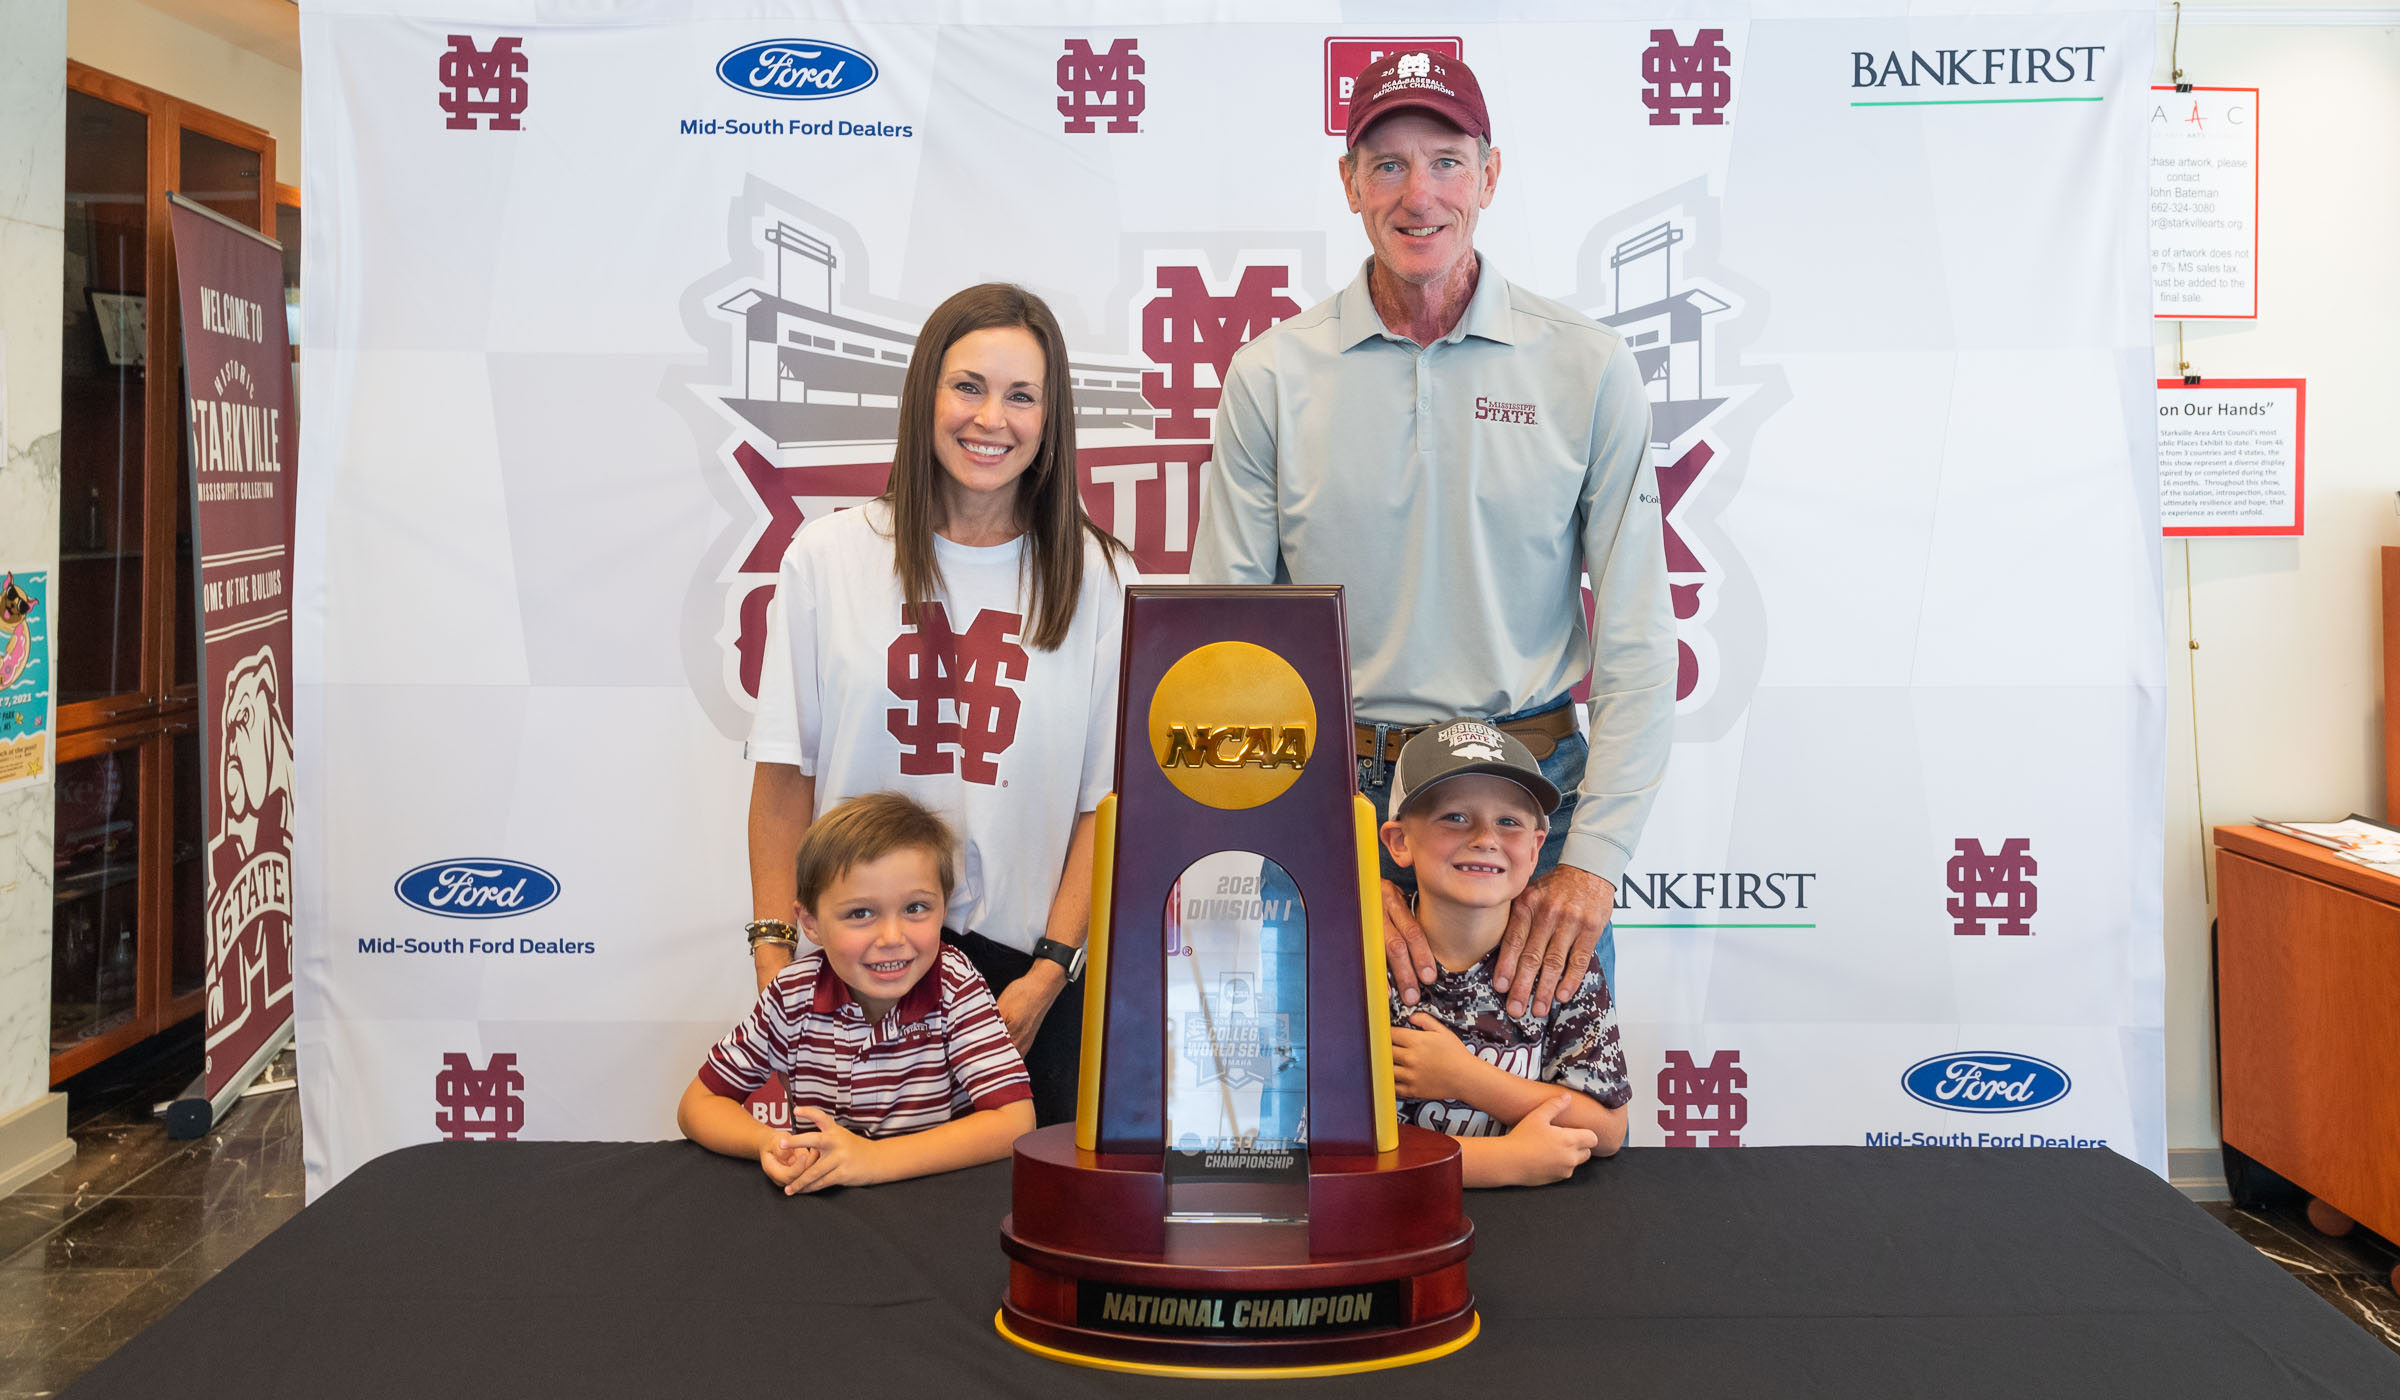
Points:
[(842, 1157), (1429, 1061), (1552, 929), (784, 1160)]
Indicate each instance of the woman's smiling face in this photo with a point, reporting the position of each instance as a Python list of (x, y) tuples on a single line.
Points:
[(987, 415)]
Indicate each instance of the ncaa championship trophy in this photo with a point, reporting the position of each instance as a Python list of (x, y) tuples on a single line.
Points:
[(1236, 1196)]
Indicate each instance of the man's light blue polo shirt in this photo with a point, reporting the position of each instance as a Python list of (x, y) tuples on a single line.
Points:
[(1457, 491)]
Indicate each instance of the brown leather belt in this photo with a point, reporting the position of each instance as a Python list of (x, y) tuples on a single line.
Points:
[(1538, 733)]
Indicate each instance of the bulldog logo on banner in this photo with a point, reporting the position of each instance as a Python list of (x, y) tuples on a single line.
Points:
[(249, 857)]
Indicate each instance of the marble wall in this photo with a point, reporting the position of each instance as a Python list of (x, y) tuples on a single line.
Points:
[(33, 125)]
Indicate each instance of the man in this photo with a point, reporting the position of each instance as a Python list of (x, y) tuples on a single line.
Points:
[(1455, 451)]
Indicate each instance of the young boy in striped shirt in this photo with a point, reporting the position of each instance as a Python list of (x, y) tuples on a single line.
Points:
[(889, 1038)]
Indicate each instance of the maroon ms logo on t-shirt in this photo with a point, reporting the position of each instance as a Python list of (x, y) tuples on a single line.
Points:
[(929, 666)]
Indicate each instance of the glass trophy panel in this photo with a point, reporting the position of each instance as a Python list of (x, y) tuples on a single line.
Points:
[(1237, 1036)]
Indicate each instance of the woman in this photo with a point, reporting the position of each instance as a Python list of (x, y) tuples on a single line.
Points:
[(956, 639)]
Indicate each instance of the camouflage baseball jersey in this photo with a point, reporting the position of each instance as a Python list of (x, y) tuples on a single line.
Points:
[(1575, 1046)]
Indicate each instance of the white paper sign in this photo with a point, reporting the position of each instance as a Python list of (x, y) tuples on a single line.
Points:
[(2204, 204), (2229, 456)]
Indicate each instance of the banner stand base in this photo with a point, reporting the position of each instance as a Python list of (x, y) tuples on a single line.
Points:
[(192, 1113)]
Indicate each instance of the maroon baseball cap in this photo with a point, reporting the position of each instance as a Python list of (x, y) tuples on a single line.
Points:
[(1418, 80)]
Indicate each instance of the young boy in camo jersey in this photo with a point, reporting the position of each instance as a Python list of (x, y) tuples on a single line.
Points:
[(1529, 1098)]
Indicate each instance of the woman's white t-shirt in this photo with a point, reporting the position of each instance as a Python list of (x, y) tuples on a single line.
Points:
[(1009, 744)]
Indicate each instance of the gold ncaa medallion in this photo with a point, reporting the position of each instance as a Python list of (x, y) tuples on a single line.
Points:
[(1232, 725)]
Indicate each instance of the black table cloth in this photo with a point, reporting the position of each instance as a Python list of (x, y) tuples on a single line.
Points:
[(650, 1269)]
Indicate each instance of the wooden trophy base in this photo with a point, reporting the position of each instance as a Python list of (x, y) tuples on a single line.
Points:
[(1100, 1276)]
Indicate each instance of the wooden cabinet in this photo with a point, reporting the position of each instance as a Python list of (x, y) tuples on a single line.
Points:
[(127, 950), (2308, 1020)]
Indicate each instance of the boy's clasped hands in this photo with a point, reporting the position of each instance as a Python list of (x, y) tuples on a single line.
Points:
[(1429, 1061), (832, 1155)]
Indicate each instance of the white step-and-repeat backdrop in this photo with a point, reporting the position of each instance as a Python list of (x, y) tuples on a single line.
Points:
[(604, 300)]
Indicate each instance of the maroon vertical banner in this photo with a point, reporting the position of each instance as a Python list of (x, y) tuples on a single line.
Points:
[(237, 395)]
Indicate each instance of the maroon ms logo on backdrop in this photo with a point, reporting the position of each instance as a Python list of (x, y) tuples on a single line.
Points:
[(1186, 326), (484, 83), (1687, 78), (1704, 1104), (1992, 888), (964, 674), (1093, 85), (479, 1103)]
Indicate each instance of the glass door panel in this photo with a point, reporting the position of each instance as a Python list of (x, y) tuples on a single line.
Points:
[(225, 177), (98, 631), (96, 913)]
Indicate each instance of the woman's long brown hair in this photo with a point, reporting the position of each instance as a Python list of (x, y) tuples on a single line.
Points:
[(1049, 508)]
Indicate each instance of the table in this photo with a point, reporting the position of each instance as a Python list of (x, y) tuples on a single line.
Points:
[(2308, 1045), (613, 1269)]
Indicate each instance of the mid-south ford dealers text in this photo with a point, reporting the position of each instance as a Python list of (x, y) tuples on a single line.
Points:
[(777, 126), (475, 945), (1965, 1139)]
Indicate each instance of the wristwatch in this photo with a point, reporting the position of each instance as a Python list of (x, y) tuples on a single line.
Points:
[(1069, 958), (771, 931)]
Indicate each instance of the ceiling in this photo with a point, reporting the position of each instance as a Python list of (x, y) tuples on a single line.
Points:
[(268, 28)]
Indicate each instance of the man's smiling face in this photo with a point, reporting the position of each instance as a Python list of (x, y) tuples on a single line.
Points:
[(1419, 183)]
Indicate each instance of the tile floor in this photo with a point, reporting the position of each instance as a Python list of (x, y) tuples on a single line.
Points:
[(2354, 1272), (97, 1250)]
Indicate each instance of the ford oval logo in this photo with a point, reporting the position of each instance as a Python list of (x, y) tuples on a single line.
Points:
[(796, 70), (477, 889), (1982, 1082)]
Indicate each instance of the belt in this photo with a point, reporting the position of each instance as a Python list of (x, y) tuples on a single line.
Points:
[(1538, 733)]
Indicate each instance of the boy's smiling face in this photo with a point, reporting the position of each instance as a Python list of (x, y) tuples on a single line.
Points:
[(1472, 840), (880, 924)]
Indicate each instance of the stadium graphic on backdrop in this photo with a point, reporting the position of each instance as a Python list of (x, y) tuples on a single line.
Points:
[(799, 408), (1684, 328)]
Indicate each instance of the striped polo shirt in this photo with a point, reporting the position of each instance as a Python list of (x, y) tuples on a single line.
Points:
[(941, 1052)]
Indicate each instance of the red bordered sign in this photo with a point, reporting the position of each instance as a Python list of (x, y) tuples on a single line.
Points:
[(2221, 445)]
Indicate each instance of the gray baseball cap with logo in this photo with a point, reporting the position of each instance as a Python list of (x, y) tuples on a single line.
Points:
[(1455, 748)]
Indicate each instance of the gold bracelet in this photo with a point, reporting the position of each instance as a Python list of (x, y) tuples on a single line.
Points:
[(771, 931)]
